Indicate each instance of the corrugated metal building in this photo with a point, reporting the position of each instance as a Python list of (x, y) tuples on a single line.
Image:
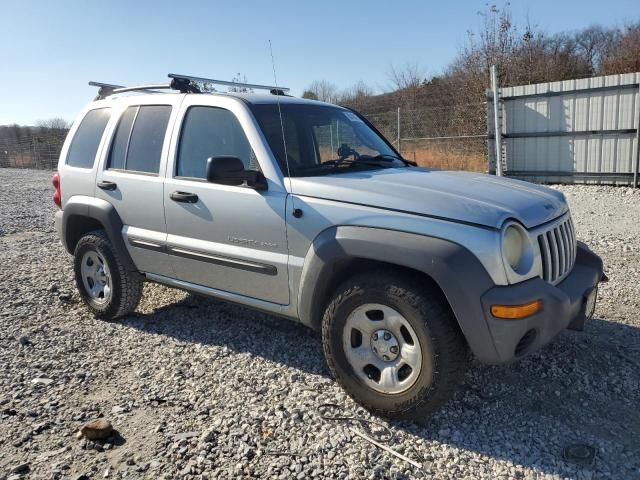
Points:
[(582, 130)]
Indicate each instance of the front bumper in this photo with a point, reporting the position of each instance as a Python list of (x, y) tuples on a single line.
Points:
[(564, 305)]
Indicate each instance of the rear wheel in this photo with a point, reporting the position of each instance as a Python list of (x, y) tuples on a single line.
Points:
[(393, 345), (104, 284)]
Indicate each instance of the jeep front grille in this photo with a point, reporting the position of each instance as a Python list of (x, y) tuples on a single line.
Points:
[(558, 250)]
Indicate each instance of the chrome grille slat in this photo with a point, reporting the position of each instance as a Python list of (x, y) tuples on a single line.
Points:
[(554, 255), (557, 250), (565, 247), (567, 241), (570, 243), (561, 255), (572, 238), (546, 256), (573, 242)]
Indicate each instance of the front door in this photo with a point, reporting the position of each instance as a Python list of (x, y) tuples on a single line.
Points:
[(231, 238)]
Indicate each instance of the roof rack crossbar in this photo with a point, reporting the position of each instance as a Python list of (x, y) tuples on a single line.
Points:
[(105, 85), (161, 86), (104, 90), (183, 83), (226, 83), (107, 89)]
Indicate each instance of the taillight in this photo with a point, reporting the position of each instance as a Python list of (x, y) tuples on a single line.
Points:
[(57, 194)]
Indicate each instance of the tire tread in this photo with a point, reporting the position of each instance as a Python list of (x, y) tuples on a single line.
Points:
[(126, 297), (450, 350)]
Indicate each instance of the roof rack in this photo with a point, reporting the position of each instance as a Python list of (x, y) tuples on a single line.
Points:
[(183, 83), (107, 89), (275, 90)]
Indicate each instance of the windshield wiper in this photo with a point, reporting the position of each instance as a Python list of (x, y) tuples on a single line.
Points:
[(387, 157), (373, 162), (339, 162), (381, 160)]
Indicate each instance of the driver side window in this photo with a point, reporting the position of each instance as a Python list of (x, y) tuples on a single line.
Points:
[(209, 132)]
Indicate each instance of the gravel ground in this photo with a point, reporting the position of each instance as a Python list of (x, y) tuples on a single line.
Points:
[(199, 388)]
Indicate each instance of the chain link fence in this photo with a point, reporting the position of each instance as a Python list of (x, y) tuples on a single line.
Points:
[(30, 147), (449, 137)]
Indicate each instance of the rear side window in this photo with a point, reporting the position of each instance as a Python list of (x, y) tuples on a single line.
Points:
[(209, 132), (121, 140), (137, 145), (84, 146)]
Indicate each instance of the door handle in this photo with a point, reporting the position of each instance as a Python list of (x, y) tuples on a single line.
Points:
[(183, 197), (105, 185)]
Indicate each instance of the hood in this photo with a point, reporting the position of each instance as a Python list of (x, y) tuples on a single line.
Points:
[(460, 196)]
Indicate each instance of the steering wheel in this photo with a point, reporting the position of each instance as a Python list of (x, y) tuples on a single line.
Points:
[(345, 151)]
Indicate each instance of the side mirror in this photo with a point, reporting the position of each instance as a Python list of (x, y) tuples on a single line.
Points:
[(228, 170)]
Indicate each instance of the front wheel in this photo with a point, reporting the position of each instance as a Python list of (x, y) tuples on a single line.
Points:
[(393, 345), (105, 285)]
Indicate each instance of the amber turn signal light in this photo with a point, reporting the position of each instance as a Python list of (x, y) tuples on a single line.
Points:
[(514, 312)]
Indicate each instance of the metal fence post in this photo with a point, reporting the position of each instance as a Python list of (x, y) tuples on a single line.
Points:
[(637, 165), (36, 153), (496, 120), (399, 131)]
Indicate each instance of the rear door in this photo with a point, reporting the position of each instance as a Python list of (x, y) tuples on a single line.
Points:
[(231, 238), (132, 174)]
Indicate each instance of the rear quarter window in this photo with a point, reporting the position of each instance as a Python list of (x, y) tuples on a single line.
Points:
[(84, 146)]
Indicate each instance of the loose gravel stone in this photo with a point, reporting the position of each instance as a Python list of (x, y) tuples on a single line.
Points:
[(99, 429), (42, 381), (248, 385), (21, 468)]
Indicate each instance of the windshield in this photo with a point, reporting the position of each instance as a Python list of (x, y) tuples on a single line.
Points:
[(322, 140)]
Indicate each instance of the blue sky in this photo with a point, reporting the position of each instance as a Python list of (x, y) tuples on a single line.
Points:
[(49, 50)]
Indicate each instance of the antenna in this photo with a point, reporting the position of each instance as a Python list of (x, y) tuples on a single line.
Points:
[(284, 142)]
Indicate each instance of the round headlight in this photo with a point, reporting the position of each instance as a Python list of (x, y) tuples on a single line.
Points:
[(513, 245)]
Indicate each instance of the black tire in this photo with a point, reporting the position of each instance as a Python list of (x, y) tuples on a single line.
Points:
[(126, 286), (444, 351)]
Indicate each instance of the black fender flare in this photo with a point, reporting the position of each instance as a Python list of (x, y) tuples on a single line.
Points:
[(100, 211), (458, 273)]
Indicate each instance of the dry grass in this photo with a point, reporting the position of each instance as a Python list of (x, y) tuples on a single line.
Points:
[(446, 159)]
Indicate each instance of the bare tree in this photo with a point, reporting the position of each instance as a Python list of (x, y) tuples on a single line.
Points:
[(54, 123), (324, 91), (523, 56), (594, 44), (407, 82), (308, 94), (624, 57), (356, 96), (409, 77)]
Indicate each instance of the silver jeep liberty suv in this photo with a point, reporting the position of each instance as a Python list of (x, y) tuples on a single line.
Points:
[(304, 210)]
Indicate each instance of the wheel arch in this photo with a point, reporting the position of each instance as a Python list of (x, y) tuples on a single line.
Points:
[(76, 227), (453, 271), (84, 214)]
